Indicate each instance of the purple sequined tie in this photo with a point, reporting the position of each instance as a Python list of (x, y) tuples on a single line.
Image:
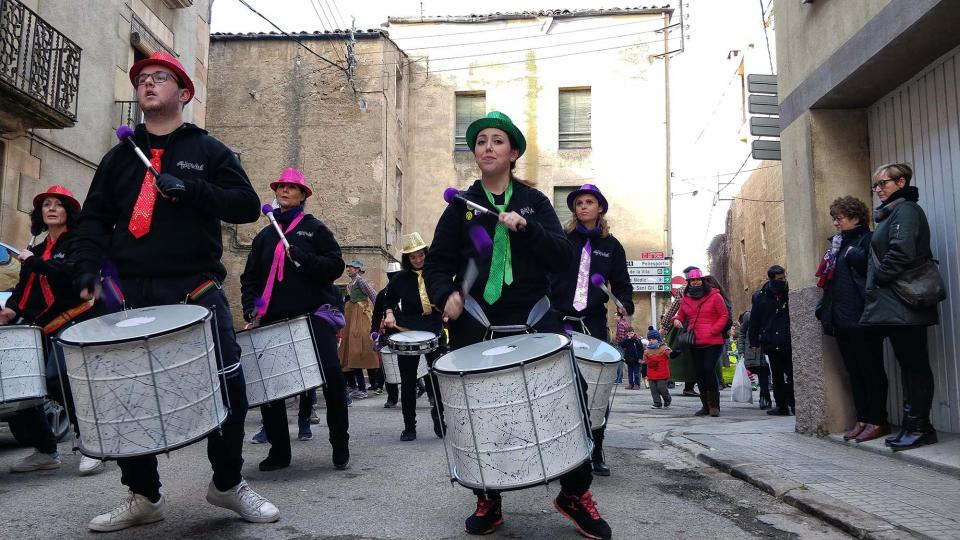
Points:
[(583, 279)]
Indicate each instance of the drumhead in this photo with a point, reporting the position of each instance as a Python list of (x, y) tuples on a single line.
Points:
[(412, 336), (133, 324), (592, 349), (501, 353)]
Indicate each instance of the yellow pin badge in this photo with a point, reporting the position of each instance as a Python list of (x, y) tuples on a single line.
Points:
[(469, 215)]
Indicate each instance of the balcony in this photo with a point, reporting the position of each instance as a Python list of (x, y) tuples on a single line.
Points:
[(39, 71), (130, 113)]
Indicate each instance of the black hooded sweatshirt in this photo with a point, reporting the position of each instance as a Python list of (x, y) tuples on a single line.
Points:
[(538, 250), (304, 288), (184, 237)]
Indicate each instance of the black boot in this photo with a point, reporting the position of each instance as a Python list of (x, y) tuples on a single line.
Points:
[(764, 401), (705, 409), (599, 467), (917, 432), (903, 426), (439, 427)]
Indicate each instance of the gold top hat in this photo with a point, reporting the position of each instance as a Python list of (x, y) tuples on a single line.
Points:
[(413, 242)]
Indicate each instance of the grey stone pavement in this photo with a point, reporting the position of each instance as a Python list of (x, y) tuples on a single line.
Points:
[(867, 491), (395, 490)]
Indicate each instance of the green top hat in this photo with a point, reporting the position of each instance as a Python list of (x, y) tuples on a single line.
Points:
[(496, 119)]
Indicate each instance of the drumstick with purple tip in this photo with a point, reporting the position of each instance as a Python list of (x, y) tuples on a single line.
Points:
[(125, 133), (600, 283), (268, 211), (453, 194)]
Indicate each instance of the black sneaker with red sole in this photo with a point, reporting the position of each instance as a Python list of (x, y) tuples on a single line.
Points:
[(582, 511), (486, 518)]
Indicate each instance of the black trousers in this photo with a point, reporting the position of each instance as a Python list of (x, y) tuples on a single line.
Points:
[(275, 412), (224, 446), (862, 353), (466, 331), (393, 392), (763, 378), (910, 347), (781, 368), (30, 425), (408, 387), (705, 360)]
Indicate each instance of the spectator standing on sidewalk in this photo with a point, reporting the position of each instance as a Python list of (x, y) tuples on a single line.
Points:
[(901, 242), (632, 351), (770, 335), (704, 311), (754, 360), (842, 276)]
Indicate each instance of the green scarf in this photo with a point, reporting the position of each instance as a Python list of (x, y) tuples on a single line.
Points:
[(501, 267)]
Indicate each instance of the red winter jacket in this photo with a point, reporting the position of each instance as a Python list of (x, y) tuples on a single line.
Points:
[(707, 316)]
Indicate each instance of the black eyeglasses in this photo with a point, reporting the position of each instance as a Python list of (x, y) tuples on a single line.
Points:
[(159, 77), (880, 183)]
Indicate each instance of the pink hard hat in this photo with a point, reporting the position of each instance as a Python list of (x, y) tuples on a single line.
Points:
[(293, 177)]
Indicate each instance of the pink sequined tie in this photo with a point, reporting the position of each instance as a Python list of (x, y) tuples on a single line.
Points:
[(583, 279), (143, 209)]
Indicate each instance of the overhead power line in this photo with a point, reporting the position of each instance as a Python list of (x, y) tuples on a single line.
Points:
[(284, 32)]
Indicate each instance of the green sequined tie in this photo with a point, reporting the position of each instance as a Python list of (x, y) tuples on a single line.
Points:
[(501, 267)]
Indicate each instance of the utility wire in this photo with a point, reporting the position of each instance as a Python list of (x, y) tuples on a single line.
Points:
[(716, 107), (282, 31), (323, 25), (766, 36)]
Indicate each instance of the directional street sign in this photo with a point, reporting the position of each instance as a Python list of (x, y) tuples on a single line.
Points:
[(648, 271), (663, 287), (762, 149), (650, 263), (651, 255), (763, 104), (765, 126), (761, 84), (650, 279)]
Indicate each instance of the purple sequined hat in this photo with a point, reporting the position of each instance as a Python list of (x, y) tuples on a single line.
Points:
[(592, 190)]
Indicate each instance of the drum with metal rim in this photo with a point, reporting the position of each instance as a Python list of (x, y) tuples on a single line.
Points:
[(413, 342), (279, 360), (515, 410), (391, 366), (22, 363), (598, 362), (145, 381)]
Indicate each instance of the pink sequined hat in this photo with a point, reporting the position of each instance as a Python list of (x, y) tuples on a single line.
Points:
[(294, 177)]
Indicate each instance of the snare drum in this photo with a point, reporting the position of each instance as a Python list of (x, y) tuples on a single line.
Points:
[(144, 381), (391, 366), (598, 361), (279, 360), (516, 412), (22, 365), (413, 343)]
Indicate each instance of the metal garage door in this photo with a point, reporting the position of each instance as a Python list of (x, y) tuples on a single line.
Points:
[(919, 123)]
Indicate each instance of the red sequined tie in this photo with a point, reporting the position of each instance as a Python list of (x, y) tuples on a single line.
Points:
[(143, 209)]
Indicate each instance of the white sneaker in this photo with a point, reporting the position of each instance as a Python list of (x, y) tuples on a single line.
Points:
[(37, 461), (134, 510), (90, 466), (246, 502)]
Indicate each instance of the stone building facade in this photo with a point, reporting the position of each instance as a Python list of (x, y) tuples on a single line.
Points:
[(756, 234), (850, 100), (59, 112), (346, 132)]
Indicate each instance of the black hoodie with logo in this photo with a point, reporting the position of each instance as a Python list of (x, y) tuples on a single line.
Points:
[(184, 237)]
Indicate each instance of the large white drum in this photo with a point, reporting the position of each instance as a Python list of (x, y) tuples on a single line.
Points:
[(598, 361), (22, 372), (279, 360), (391, 365), (515, 410), (144, 381)]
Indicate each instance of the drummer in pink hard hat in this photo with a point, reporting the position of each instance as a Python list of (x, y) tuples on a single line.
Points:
[(163, 235), (45, 296), (279, 284)]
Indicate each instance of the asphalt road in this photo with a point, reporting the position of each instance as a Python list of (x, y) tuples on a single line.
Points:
[(398, 490)]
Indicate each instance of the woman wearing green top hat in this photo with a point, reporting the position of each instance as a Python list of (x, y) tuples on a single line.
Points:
[(528, 245)]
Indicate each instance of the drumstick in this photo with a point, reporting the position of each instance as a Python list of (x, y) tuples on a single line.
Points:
[(268, 211), (600, 283), (453, 194), (125, 133)]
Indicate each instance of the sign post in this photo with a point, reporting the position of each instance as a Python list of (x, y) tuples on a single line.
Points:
[(650, 273)]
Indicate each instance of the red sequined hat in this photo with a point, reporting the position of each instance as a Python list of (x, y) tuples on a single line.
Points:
[(165, 59), (63, 193)]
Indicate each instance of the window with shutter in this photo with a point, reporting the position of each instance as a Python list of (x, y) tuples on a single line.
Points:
[(560, 202), (575, 118), (470, 106)]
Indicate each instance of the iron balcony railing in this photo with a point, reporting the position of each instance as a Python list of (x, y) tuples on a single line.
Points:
[(37, 61), (130, 113)]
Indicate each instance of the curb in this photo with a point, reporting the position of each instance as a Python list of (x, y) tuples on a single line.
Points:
[(903, 456), (838, 513)]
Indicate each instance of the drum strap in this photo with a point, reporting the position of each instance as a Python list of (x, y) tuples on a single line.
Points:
[(66, 317), (201, 290)]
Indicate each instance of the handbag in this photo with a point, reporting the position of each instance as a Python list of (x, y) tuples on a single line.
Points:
[(919, 287), (686, 338)]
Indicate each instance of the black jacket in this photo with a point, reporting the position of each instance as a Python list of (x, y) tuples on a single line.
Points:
[(403, 297), (632, 349), (607, 259), (770, 319), (304, 288), (843, 298), (539, 249), (379, 306), (59, 271), (184, 237)]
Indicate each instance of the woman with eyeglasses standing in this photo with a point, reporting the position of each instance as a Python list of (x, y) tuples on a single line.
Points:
[(901, 242)]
